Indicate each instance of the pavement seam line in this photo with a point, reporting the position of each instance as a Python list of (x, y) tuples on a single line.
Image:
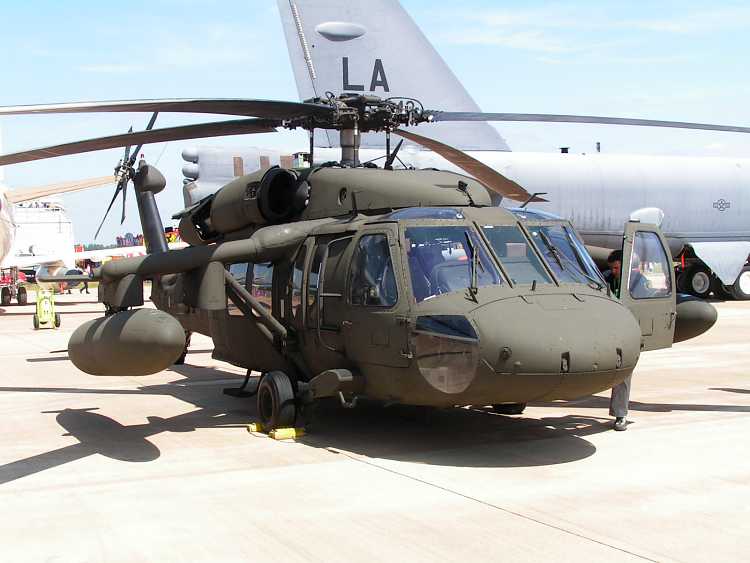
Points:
[(490, 505)]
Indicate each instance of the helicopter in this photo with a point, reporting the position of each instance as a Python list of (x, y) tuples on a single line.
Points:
[(350, 281)]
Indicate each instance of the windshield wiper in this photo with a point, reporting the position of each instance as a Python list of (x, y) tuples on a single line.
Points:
[(472, 290), (580, 266), (558, 258), (552, 248)]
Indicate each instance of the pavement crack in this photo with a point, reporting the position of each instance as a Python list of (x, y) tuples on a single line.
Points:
[(491, 505)]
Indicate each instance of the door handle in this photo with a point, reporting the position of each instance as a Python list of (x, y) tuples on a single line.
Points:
[(346, 324)]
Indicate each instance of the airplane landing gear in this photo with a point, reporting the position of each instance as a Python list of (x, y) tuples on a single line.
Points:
[(696, 280), (741, 287)]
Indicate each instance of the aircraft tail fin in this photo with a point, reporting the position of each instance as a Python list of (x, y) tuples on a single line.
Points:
[(373, 46)]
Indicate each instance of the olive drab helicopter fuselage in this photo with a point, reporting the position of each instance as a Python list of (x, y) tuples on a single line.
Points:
[(348, 280), (403, 286)]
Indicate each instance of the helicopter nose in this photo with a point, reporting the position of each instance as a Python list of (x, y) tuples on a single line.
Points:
[(548, 347)]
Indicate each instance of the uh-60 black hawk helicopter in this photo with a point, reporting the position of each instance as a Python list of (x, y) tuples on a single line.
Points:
[(348, 280)]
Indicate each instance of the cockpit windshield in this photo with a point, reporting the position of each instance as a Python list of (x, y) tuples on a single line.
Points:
[(558, 245), (516, 254), (441, 260)]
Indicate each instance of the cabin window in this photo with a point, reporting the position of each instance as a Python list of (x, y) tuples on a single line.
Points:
[(313, 281), (295, 289), (372, 282), (516, 254), (261, 286), (334, 279), (649, 275), (239, 271), (440, 260)]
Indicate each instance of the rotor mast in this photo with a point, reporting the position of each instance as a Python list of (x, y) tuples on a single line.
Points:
[(350, 139)]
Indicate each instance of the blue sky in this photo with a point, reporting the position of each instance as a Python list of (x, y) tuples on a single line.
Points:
[(663, 60)]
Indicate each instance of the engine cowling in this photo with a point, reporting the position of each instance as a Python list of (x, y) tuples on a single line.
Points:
[(269, 197)]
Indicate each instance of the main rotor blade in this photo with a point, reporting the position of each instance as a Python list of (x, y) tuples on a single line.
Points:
[(126, 157), (109, 207), (27, 194), (197, 131), (124, 183), (269, 109), (489, 178), (555, 118)]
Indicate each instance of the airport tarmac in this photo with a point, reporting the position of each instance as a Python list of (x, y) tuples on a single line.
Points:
[(162, 468)]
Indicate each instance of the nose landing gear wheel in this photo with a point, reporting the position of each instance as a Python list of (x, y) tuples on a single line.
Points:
[(276, 404)]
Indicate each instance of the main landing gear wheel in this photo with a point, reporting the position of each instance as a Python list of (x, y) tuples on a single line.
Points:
[(5, 296), (276, 405), (698, 281), (22, 296), (509, 408), (741, 287)]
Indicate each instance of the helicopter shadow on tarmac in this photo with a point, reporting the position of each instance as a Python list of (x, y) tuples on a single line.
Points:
[(730, 390), (456, 437), (598, 402), (461, 437)]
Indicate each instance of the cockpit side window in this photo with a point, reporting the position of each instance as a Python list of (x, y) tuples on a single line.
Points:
[(516, 254), (372, 281), (649, 276), (440, 260)]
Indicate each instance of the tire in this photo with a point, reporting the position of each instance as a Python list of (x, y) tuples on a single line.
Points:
[(5, 296), (35, 320), (698, 281), (22, 297), (276, 405), (720, 290), (58, 320), (741, 287), (509, 408)]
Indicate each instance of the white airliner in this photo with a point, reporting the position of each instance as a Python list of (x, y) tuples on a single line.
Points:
[(373, 46)]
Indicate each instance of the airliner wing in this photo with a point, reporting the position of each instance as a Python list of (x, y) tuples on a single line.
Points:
[(27, 194), (120, 251), (32, 260), (51, 260)]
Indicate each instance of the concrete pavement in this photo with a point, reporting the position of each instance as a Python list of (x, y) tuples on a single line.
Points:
[(162, 468)]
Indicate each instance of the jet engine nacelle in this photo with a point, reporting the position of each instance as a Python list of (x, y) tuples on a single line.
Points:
[(265, 197), (129, 343)]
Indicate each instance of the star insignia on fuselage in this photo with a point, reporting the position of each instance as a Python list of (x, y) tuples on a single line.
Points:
[(722, 204)]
